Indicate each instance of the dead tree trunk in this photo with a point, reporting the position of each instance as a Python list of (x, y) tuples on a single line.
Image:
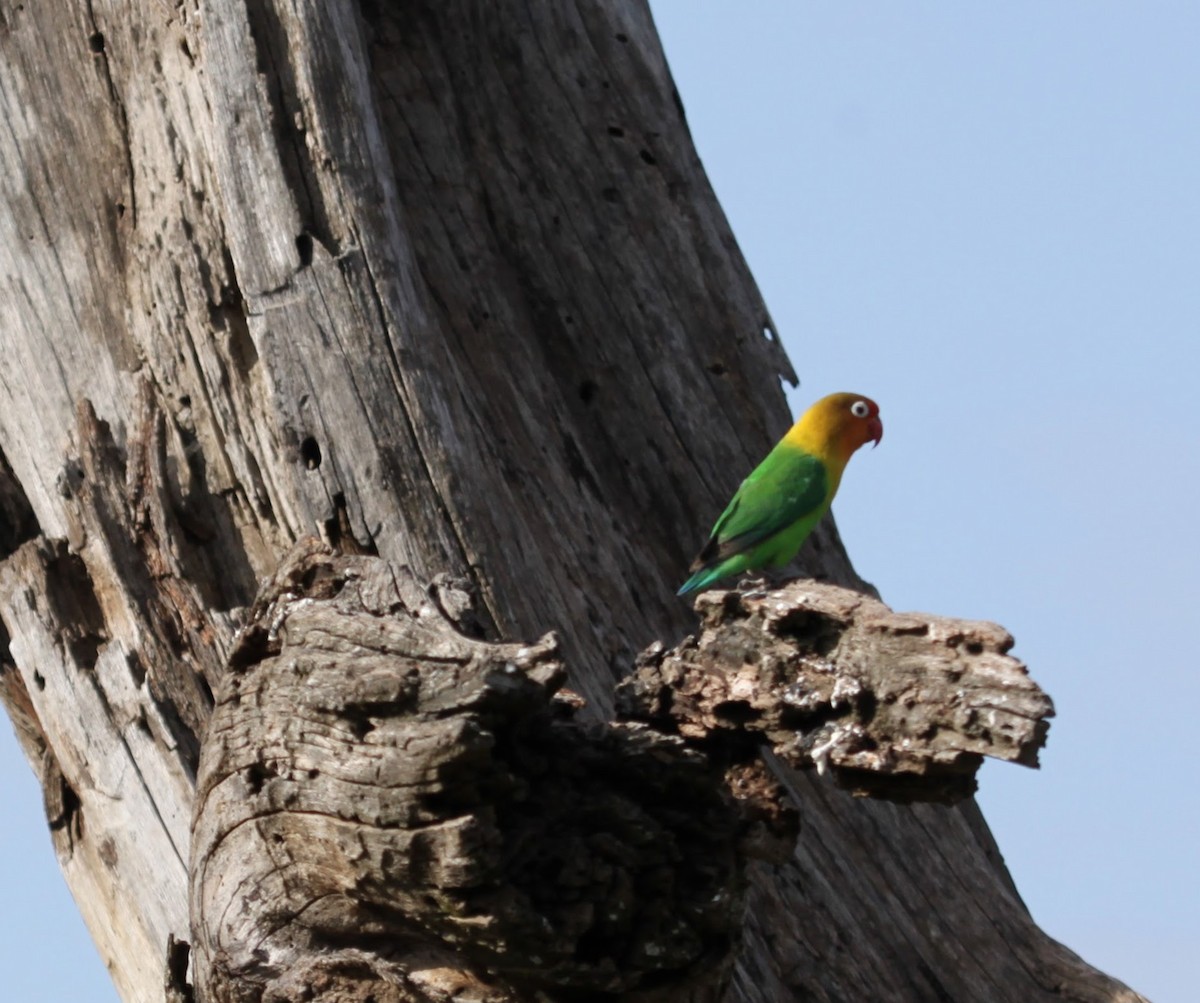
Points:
[(445, 283)]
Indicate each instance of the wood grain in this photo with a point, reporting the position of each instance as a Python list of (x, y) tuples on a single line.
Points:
[(444, 282), (897, 705), (374, 775)]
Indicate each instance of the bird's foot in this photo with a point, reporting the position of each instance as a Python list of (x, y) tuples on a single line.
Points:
[(763, 582)]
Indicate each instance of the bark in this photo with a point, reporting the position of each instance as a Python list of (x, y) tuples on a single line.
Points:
[(374, 776), (373, 773), (443, 283), (900, 706)]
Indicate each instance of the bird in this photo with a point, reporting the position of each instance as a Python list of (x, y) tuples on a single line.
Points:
[(785, 496)]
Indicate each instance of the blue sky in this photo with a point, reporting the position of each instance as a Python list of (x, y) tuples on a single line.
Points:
[(987, 217)]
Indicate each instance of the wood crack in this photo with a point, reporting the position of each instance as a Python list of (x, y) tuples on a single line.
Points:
[(896, 705), (483, 815)]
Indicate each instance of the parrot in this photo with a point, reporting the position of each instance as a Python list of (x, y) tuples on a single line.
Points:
[(785, 496)]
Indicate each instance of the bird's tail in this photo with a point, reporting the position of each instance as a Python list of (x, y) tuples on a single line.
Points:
[(703, 577)]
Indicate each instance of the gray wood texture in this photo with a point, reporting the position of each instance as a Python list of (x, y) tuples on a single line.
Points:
[(441, 281), (902, 706), (374, 777)]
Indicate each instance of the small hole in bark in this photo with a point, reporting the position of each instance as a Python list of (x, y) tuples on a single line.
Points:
[(616, 130), (313, 774), (717, 368), (85, 650), (361, 725), (96, 42), (120, 210), (71, 816), (974, 648), (622, 37), (39, 680), (304, 245), (310, 453), (647, 157), (185, 401), (257, 775), (735, 711), (587, 391), (205, 690)]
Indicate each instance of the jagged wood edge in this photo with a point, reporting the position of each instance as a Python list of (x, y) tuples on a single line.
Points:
[(902, 706), (492, 840)]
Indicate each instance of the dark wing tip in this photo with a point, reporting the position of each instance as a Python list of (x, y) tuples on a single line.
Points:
[(707, 553)]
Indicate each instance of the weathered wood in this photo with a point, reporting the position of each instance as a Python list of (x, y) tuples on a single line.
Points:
[(441, 280), (371, 775), (176, 987), (115, 794), (897, 705)]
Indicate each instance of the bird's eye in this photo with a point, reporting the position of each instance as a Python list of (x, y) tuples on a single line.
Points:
[(860, 409)]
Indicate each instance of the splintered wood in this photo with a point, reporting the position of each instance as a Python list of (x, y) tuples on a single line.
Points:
[(375, 772), (896, 705), (372, 774), (446, 283)]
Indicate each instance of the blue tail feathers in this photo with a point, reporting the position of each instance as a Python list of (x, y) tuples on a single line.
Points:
[(703, 577)]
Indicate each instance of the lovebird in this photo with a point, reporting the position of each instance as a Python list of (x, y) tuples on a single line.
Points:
[(786, 495)]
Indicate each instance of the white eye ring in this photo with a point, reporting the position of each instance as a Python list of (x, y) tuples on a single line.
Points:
[(860, 409)]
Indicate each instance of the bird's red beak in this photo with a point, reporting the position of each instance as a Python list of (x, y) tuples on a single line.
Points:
[(875, 427)]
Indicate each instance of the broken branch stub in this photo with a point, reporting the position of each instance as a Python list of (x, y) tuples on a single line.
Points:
[(902, 706), (383, 799)]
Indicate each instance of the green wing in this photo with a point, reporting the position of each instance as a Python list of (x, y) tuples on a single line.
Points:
[(787, 486)]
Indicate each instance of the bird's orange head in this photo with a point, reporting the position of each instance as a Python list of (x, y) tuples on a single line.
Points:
[(835, 426)]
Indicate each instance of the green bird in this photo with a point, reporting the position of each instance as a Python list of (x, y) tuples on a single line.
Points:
[(786, 495)]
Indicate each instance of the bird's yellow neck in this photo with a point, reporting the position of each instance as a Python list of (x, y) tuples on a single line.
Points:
[(820, 433)]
